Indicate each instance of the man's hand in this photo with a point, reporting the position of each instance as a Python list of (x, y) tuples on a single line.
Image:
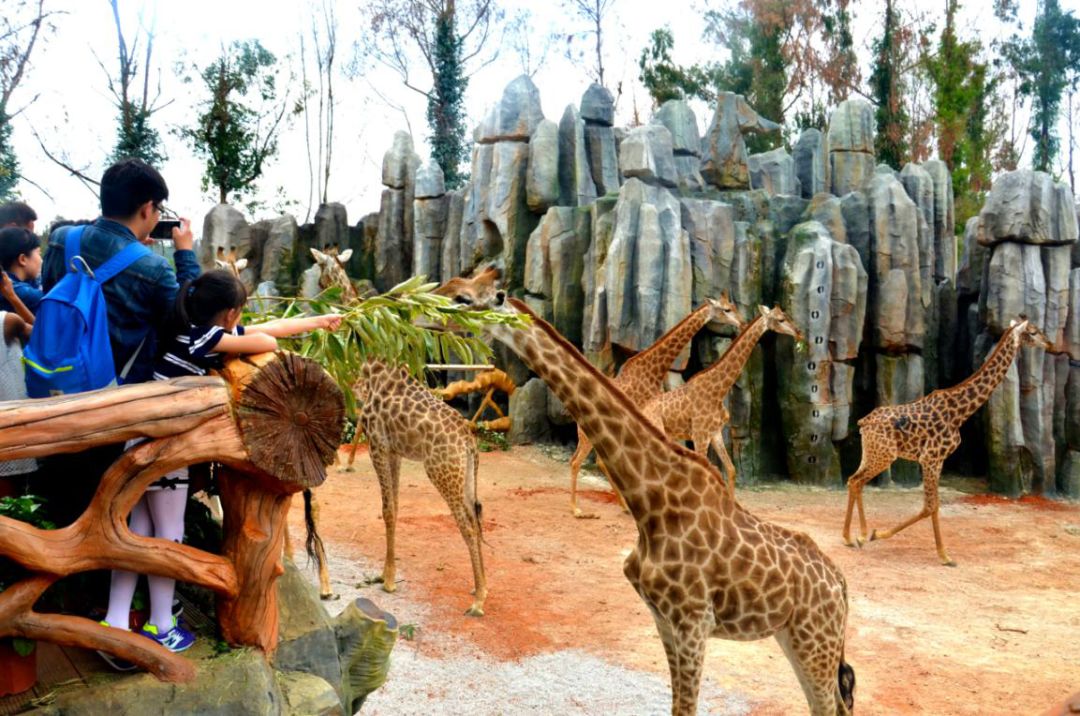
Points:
[(183, 238)]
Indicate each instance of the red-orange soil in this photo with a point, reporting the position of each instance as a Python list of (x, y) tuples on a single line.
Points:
[(995, 635)]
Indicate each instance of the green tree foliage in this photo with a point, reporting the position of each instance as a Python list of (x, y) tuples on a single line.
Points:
[(236, 132), (666, 80), (9, 163), (134, 135), (404, 325), (1047, 62), (21, 23), (886, 88), (963, 95), (446, 102)]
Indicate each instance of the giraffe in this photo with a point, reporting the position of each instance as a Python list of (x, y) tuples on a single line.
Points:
[(704, 565), (403, 419), (695, 411), (927, 431), (229, 262), (332, 272), (642, 377)]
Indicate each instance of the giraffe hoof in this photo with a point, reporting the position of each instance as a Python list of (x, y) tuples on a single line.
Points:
[(329, 597), (348, 469), (474, 611), (578, 514), (389, 586), (874, 535), (947, 563), (848, 542)]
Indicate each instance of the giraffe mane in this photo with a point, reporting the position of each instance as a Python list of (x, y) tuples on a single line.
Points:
[(605, 383), (997, 349), (719, 361), (661, 339)]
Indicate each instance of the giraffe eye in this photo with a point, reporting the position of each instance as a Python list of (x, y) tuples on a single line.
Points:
[(463, 300)]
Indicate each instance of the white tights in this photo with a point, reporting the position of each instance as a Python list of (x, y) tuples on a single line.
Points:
[(159, 513)]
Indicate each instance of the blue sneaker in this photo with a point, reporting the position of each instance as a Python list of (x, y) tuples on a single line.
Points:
[(175, 640), (115, 661)]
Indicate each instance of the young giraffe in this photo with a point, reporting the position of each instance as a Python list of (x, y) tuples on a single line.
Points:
[(403, 419), (642, 377), (695, 411), (332, 272), (229, 262), (704, 565), (927, 431)]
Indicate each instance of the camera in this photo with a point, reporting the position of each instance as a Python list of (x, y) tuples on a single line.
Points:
[(164, 228)]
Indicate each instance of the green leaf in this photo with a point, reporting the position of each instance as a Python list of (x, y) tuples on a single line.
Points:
[(23, 647)]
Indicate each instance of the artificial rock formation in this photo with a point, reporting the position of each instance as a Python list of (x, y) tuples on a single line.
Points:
[(723, 147), (851, 146)]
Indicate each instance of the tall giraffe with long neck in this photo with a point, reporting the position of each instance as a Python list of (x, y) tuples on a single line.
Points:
[(642, 377), (332, 272), (927, 431), (695, 411), (705, 566)]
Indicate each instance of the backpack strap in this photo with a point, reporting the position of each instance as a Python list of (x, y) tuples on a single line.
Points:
[(120, 261), (72, 244)]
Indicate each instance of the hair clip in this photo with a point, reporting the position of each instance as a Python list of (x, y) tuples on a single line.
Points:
[(190, 291)]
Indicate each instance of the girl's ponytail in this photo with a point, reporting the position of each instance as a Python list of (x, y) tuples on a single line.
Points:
[(198, 301)]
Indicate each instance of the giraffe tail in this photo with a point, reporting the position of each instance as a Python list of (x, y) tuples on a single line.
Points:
[(845, 674), (472, 461), (313, 544)]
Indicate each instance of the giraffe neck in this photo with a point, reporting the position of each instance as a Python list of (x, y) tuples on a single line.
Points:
[(717, 379), (639, 459), (977, 389), (653, 363), (330, 279)]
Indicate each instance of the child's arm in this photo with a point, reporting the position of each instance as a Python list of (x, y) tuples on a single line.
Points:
[(15, 327), (291, 326), (246, 344), (7, 289)]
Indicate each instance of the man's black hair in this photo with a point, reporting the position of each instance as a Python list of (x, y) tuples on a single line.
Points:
[(16, 213), (129, 184), (16, 241)]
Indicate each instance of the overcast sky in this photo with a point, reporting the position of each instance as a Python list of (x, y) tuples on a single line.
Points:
[(74, 112)]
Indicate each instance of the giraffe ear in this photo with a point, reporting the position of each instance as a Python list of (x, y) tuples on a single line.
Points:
[(1013, 323), (320, 257), (220, 264), (241, 264), (343, 257), (764, 311)]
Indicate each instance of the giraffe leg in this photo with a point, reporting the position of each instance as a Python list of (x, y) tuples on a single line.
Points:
[(325, 592), (622, 500), (817, 663), (352, 449), (581, 453), (457, 485), (387, 465), (725, 460), (869, 468), (931, 472), (685, 650)]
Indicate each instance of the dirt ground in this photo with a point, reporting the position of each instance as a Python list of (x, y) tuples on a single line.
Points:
[(995, 635)]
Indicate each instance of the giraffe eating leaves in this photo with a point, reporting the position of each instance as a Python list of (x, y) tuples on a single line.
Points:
[(703, 565), (927, 431)]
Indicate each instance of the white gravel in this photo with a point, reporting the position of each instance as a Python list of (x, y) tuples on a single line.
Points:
[(440, 673)]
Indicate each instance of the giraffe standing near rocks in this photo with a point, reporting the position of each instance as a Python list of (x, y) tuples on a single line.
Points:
[(403, 419), (927, 431), (642, 377), (695, 411), (705, 566)]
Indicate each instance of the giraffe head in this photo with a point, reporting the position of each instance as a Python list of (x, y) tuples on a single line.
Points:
[(777, 320), (229, 262), (1027, 334), (723, 310), (481, 291), (332, 266)]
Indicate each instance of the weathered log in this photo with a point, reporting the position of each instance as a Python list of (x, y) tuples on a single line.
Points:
[(274, 420)]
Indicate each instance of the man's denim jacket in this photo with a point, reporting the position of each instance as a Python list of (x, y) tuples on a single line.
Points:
[(139, 300)]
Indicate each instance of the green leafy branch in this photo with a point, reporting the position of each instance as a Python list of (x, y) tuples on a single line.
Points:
[(407, 325)]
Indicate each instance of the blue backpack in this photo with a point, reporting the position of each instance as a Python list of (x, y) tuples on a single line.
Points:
[(69, 349)]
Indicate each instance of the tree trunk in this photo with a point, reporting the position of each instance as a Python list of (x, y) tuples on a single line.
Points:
[(275, 421)]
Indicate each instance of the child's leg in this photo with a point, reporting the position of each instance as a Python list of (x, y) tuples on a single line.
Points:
[(122, 587), (167, 510)]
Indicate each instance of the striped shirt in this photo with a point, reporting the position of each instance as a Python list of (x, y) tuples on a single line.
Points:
[(192, 353)]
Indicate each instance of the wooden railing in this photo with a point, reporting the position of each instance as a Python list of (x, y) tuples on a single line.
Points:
[(273, 421)]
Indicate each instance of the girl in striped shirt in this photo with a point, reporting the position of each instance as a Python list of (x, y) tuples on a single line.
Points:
[(204, 330)]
